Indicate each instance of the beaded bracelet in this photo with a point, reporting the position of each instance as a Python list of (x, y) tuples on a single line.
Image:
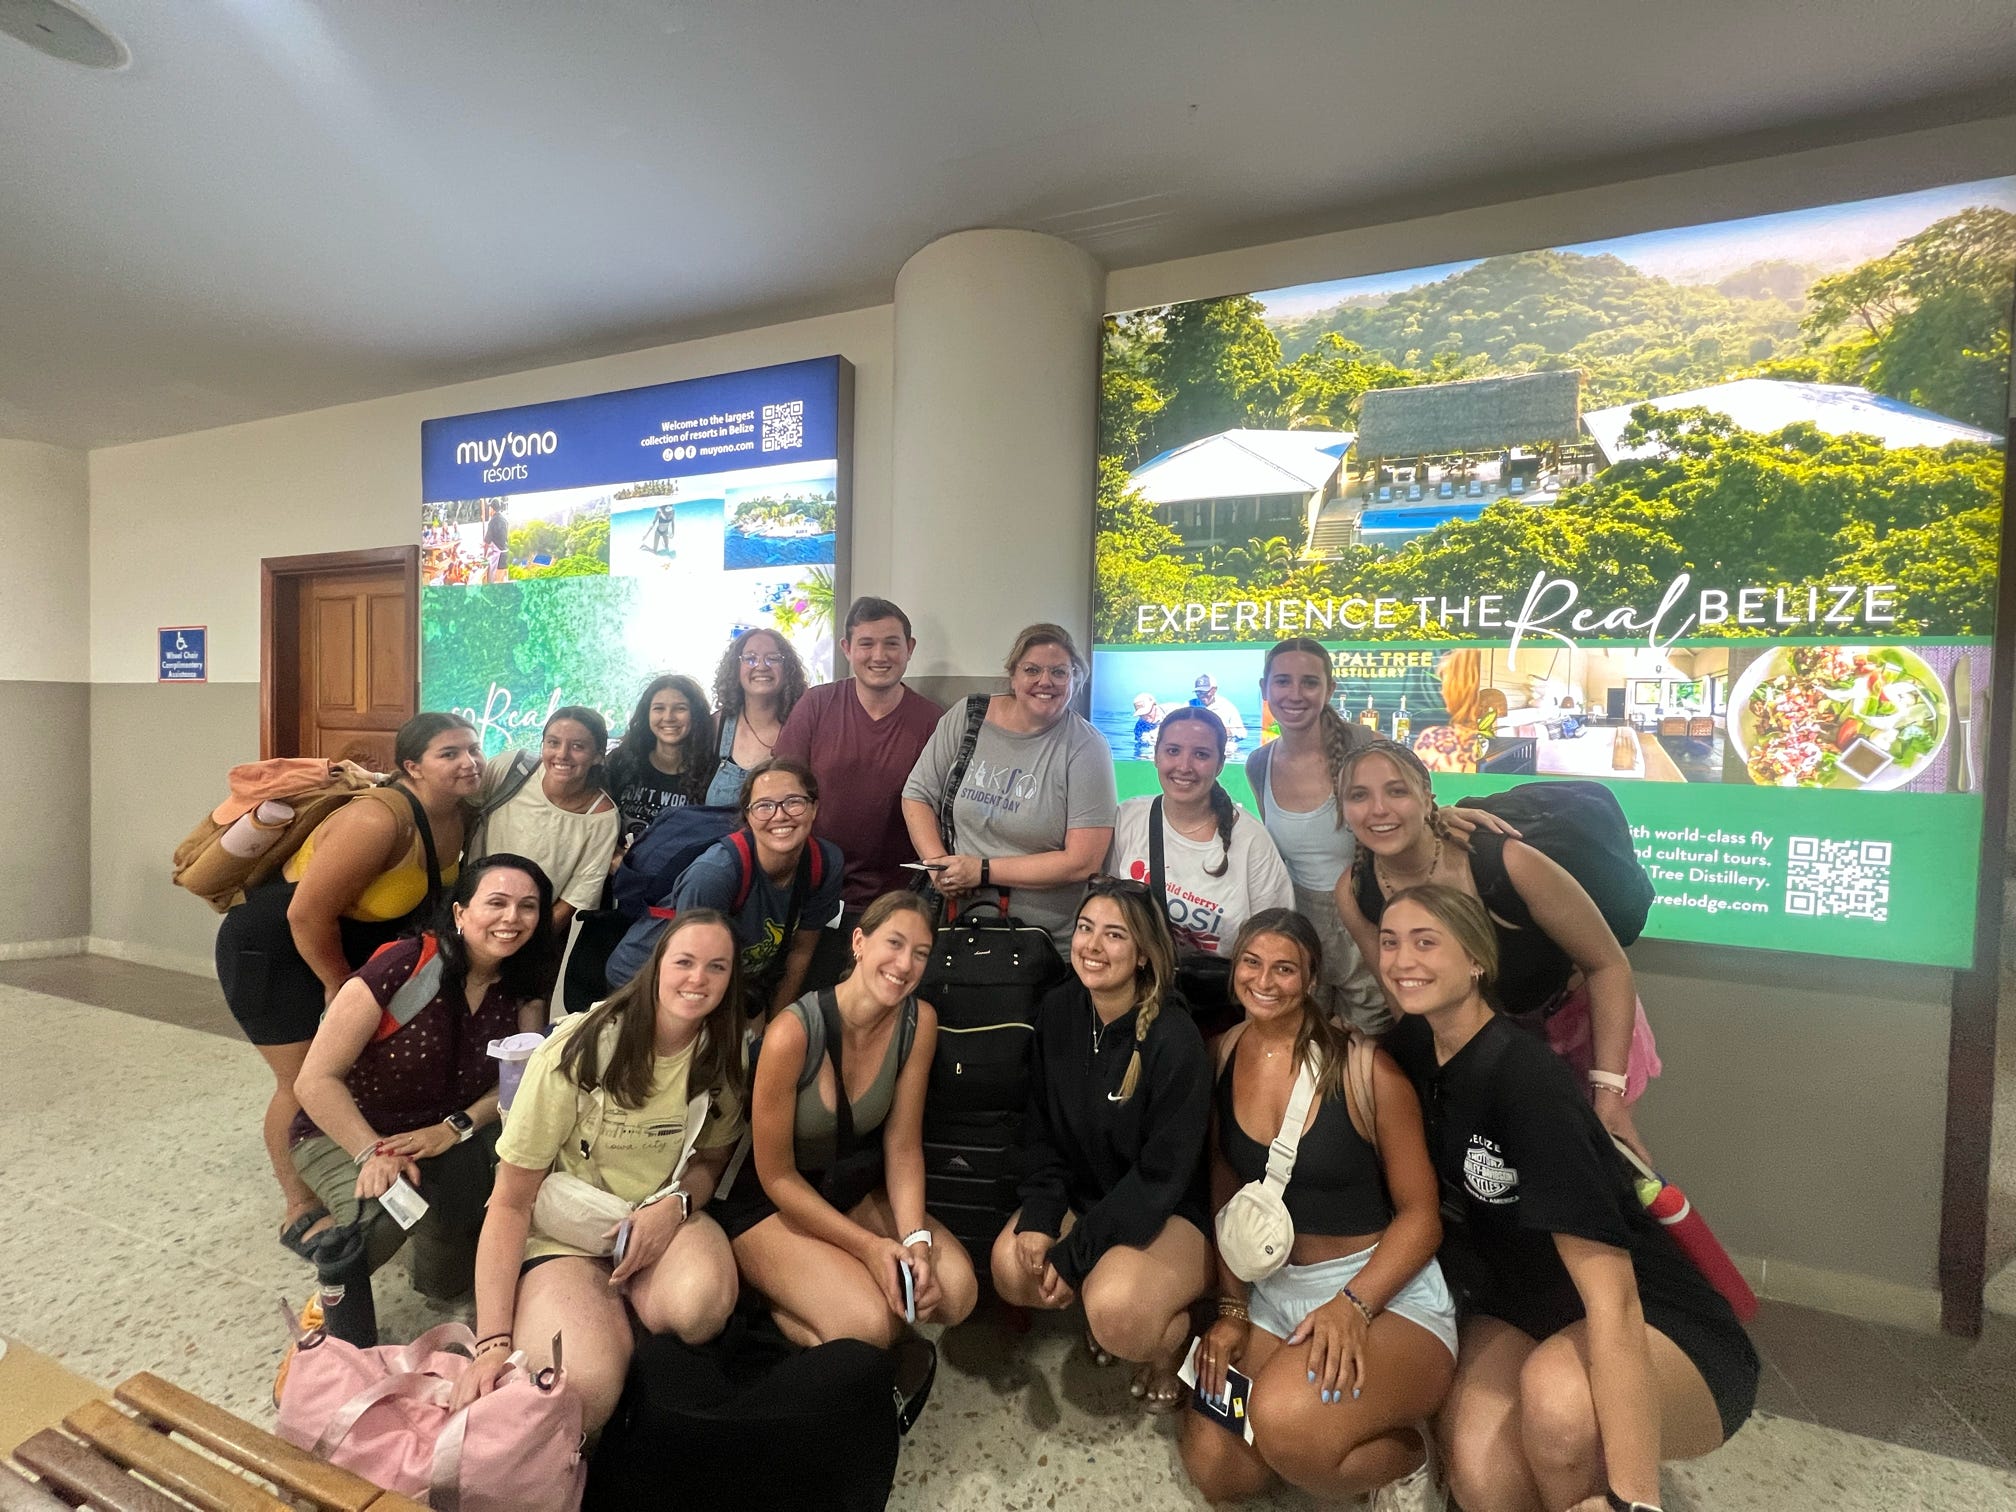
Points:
[(1358, 1302)]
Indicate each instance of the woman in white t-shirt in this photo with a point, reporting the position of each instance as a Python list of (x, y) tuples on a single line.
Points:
[(1219, 864), (560, 815)]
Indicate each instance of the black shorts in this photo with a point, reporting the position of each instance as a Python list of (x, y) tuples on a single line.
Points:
[(843, 1186), (272, 992)]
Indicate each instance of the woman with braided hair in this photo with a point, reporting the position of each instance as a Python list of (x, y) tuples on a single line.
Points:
[(1561, 972), (1214, 873), (1114, 1200)]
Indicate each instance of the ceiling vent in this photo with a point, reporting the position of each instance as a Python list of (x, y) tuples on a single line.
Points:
[(53, 28)]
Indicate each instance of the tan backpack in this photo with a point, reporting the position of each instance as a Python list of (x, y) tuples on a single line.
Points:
[(313, 789)]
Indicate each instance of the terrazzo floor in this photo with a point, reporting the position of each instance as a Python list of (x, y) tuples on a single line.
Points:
[(138, 1235)]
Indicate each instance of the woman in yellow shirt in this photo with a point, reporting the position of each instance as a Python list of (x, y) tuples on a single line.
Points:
[(372, 868), (610, 1100)]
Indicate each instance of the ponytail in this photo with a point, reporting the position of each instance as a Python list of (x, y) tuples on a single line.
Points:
[(1227, 814)]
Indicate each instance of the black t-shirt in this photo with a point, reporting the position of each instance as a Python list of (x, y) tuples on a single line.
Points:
[(497, 532), (643, 793), (1521, 1157)]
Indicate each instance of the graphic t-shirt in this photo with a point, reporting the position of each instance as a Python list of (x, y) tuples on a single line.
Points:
[(762, 923), (1019, 796), (1204, 911), (861, 763), (644, 792), (629, 1152)]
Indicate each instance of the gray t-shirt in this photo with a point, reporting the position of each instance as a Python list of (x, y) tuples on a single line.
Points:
[(1018, 797)]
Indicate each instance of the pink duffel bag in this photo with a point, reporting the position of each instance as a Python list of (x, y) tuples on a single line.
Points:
[(383, 1413)]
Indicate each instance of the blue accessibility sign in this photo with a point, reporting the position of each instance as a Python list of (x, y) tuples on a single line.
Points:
[(185, 653)]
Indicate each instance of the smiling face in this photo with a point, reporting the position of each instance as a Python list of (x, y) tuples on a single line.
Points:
[(1296, 687), (1041, 682), (1103, 952), (671, 719), (879, 653), (500, 917), (451, 765), (694, 972), (1420, 960), (1270, 979), (891, 961), (779, 812), (761, 665), (1384, 806), (1188, 759), (568, 752)]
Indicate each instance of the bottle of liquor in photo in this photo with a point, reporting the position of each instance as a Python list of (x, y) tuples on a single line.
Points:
[(1369, 716), (1403, 726)]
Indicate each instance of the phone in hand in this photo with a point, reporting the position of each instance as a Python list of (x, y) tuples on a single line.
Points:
[(923, 866), (622, 1242), (1228, 1411), (909, 1290)]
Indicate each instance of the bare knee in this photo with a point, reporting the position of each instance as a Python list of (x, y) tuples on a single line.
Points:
[(1479, 1475), (958, 1287), (1219, 1466), (695, 1305), (1122, 1326), (856, 1317), (1557, 1415)]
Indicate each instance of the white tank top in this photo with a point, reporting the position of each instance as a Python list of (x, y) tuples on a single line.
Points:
[(1315, 848)]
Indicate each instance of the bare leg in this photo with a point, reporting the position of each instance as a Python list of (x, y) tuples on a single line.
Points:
[(958, 1287), (1222, 1465), (1557, 1414), (1137, 1305), (817, 1291), (571, 1297), (285, 1062), (690, 1289), (1478, 1427)]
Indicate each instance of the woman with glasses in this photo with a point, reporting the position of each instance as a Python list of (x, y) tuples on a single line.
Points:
[(758, 683), (1033, 812), (776, 884), (1113, 1193)]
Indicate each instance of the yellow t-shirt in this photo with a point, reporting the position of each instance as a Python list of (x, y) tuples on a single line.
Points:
[(629, 1152)]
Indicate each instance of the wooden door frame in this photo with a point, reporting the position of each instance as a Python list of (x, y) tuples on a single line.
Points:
[(279, 616)]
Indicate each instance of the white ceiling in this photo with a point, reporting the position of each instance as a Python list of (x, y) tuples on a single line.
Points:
[(283, 204)]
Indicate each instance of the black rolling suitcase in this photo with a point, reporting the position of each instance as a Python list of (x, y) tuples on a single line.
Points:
[(988, 972)]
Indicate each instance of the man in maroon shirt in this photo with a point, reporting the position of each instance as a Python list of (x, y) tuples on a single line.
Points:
[(861, 736)]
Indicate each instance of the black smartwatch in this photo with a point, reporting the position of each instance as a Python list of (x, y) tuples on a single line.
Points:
[(984, 869), (462, 1124), (1619, 1504)]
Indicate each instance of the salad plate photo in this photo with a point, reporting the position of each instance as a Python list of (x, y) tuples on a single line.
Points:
[(1837, 716)]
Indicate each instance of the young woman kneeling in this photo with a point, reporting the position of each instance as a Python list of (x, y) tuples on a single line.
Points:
[(1351, 1344), (1113, 1199), (831, 1215), (1592, 1347), (607, 1101)]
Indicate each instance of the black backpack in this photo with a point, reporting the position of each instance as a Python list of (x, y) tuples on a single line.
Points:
[(1580, 827), (988, 973)]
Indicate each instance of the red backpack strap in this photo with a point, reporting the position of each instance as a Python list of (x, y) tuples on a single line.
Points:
[(745, 855), (419, 989)]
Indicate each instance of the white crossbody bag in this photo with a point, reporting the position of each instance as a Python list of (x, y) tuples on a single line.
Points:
[(584, 1216)]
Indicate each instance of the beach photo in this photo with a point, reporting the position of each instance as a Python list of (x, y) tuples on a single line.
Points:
[(512, 538), (783, 517)]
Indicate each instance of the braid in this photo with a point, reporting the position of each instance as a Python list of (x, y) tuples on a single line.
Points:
[(1340, 737), (1227, 813), (1142, 1024)]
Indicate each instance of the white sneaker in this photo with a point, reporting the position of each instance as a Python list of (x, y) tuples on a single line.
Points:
[(1421, 1491)]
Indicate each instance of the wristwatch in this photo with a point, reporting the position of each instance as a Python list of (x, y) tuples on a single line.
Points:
[(1619, 1504), (462, 1124), (685, 1200)]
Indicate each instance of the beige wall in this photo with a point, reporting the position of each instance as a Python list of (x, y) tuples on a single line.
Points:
[(1803, 1099)]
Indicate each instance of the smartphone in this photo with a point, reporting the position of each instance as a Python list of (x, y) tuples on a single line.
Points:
[(622, 1242), (1229, 1411), (923, 866), (909, 1291)]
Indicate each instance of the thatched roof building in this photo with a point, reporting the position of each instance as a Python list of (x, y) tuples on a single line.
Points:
[(1474, 415)]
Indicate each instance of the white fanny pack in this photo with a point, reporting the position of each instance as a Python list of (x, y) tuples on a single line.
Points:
[(1255, 1232), (584, 1216)]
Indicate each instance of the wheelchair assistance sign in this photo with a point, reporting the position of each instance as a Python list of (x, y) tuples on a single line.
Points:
[(185, 655)]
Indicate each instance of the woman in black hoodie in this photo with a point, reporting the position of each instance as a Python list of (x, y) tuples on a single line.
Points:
[(1114, 1206)]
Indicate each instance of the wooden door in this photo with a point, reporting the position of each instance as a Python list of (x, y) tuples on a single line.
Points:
[(339, 655)]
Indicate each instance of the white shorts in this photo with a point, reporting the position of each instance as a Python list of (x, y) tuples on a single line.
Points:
[(1279, 1303)]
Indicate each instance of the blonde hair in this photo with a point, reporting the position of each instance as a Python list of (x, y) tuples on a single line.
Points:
[(885, 908), (1413, 771), (1462, 675), (1156, 972), (1047, 634), (1464, 917)]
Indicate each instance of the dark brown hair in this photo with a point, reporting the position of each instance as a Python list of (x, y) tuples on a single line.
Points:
[(728, 695), (1223, 809), (633, 1008), (1338, 733), (1330, 1039), (1156, 974)]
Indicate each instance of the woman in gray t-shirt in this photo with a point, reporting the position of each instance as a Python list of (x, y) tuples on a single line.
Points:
[(1034, 810)]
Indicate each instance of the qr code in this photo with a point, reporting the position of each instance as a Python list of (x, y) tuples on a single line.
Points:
[(784, 426), (1848, 879)]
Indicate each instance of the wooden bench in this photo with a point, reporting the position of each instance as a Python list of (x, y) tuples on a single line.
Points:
[(124, 1462)]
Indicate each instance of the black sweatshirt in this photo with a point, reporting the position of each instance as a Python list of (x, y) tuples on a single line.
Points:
[(1124, 1168)]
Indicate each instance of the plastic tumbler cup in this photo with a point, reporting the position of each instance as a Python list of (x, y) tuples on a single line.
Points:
[(511, 1053)]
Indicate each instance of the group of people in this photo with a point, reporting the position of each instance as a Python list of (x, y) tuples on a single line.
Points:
[(1413, 1029)]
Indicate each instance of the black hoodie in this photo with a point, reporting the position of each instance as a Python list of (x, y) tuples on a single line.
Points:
[(1124, 1168)]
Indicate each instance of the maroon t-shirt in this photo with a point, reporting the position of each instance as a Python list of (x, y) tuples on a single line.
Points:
[(861, 764), (438, 1064)]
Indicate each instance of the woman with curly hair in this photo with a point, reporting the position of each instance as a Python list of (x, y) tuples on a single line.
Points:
[(757, 685), (666, 757)]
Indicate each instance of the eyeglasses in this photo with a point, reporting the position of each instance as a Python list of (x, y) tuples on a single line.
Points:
[(768, 659), (769, 808), (1100, 887), (1044, 674)]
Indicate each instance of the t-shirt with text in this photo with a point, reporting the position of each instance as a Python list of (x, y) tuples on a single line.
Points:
[(1204, 911)]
